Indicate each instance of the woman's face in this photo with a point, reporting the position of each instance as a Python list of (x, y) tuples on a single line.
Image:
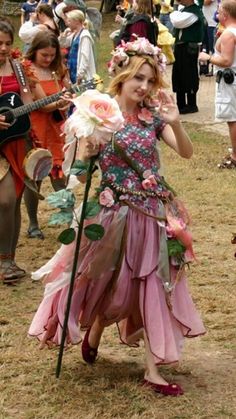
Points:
[(140, 86), (45, 56), (5, 46), (73, 24), (40, 17)]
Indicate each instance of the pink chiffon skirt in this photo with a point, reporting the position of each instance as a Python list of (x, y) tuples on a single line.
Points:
[(118, 279)]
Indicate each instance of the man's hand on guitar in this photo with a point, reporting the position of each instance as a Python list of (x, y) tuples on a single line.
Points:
[(3, 125)]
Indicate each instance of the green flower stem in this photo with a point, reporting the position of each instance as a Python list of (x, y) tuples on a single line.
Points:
[(75, 261)]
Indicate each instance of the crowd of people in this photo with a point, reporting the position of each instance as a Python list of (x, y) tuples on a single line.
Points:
[(119, 279)]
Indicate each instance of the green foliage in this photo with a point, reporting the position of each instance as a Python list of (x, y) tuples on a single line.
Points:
[(94, 232), (92, 209), (78, 168), (63, 199), (67, 236), (61, 217), (175, 248)]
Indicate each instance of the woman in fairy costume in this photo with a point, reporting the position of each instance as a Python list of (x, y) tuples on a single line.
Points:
[(128, 277)]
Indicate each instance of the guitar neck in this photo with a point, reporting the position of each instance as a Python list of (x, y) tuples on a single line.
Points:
[(30, 107), (34, 106)]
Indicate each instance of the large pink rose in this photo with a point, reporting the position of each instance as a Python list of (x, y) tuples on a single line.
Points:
[(95, 114), (106, 198)]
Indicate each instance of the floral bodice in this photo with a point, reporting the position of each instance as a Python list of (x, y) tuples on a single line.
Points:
[(138, 139)]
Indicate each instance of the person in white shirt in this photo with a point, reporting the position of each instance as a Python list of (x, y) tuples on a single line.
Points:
[(81, 60), (224, 62)]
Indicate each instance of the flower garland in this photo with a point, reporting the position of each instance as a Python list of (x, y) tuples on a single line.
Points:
[(141, 46)]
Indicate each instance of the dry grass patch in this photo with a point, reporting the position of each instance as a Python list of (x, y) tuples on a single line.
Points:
[(111, 388)]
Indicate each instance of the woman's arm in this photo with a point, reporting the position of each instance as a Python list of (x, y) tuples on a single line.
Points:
[(174, 134), (65, 38)]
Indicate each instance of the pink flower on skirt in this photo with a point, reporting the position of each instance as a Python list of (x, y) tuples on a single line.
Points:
[(106, 198), (149, 182)]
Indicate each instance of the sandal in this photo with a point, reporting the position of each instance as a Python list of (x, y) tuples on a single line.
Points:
[(227, 163), (35, 233), (12, 274)]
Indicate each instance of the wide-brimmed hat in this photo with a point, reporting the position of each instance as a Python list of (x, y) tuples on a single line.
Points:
[(4, 167)]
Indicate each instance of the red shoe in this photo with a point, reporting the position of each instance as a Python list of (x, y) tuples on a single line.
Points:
[(165, 389), (89, 354)]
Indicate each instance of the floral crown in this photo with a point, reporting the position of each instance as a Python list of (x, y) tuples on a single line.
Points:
[(141, 46)]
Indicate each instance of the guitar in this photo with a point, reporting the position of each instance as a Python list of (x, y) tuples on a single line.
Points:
[(16, 113)]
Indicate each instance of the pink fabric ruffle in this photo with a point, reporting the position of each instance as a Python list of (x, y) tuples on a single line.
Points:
[(135, 300)]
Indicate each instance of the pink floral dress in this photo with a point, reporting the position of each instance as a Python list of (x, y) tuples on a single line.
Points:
[(127, 277)]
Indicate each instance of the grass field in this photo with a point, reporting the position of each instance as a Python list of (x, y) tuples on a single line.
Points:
[(110, 389)]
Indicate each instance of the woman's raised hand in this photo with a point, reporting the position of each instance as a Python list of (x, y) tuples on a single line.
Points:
[(168, 108)]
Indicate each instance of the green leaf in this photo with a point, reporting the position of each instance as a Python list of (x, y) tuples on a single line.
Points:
[(92, 209), (94, 232), (175, 248), (67, 236), (79, 167), (62, 217), (61, 199)]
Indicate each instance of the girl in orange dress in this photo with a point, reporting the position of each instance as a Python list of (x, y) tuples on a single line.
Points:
[(45, 56), (12, 155)]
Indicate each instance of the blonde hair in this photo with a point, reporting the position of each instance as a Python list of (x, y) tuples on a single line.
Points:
[(79, 15), (229, 6), (128, 72), (76, 15)]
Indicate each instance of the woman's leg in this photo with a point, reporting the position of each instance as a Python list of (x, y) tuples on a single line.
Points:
[(17, 224), (151, 373), (58, 183), (8, 201), (91, 342), (10, 222), (232, 134), (31, 203), (95, 333), (152, 378)]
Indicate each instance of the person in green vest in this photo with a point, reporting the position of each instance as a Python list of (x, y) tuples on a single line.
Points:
[(188, 22)]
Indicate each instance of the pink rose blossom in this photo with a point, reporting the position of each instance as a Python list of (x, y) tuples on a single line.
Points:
[(140, 46), (106, 198), (149, 182), (145, 115), (95, 114)]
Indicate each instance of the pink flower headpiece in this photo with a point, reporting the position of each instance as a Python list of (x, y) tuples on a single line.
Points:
[(141, 46)]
